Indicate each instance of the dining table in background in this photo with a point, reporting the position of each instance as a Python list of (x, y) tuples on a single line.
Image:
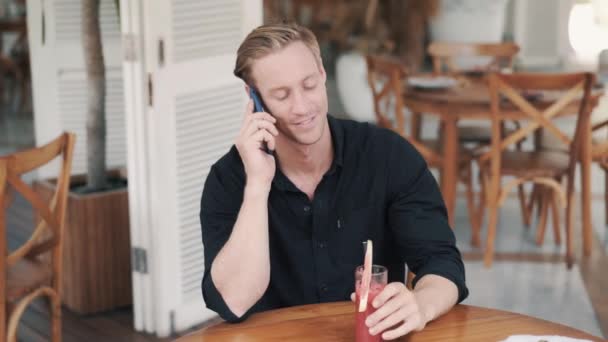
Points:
[(336, 322), (470, 99)]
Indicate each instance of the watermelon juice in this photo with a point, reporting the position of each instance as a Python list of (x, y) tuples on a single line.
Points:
[(377, 283)]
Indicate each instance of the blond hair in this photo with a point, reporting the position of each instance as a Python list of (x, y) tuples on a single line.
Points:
[(270, 38)]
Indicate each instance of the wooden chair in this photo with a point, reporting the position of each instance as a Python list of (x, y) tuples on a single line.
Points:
[(34, 269), (499, 55), (543, 168), (599, 155), (385, 76), (544, 201)]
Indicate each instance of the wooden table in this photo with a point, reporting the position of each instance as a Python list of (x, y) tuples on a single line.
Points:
[(336, 322), (471, 100)]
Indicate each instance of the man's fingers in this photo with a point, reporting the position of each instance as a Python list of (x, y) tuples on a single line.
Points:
[(250, 115), (387, 309), (246, 116), (401, 330), (262, 136), (387, 293), (256, 125), (263, 116), (396, 317)]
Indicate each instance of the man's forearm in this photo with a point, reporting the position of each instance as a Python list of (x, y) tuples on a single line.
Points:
[(241, 270), (435, 295)]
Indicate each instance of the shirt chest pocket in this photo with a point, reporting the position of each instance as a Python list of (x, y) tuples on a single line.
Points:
[(353, 228)]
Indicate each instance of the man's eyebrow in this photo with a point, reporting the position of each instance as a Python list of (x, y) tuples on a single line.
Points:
[(278, 88), (308, 77), (287, 88)]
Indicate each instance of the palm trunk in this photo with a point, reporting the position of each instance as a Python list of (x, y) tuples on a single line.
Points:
[(96, 95)]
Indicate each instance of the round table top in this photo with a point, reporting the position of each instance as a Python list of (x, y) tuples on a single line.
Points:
[(336, 322)]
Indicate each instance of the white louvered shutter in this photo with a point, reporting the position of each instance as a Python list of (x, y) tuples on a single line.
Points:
[(59, 78), (194, 114)]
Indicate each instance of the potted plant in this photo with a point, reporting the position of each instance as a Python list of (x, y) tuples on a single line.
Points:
[(96, 257)]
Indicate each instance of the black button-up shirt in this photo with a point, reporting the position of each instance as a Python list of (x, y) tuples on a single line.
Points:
[(378, 187)]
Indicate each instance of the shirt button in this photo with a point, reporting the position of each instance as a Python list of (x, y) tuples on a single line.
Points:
[(321, 244), (306, 208)]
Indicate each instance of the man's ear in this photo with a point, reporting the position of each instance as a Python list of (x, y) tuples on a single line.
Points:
[(322, 71)]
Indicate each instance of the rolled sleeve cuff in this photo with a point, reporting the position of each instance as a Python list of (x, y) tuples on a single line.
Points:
[(448, 270), (214, 301)]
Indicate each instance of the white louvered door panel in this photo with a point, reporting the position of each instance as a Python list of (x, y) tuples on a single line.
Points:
[(59, 77), (196, 112), (136, 106)]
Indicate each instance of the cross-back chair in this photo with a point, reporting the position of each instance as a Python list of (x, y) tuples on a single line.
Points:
[(544, 168), (34, 269)]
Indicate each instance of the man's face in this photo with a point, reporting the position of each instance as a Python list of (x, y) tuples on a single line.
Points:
[(292, 86)]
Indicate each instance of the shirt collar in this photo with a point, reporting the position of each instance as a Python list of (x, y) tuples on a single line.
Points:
[(337, 135)]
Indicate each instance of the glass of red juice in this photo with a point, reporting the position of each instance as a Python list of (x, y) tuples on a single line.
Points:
[(378, 282)]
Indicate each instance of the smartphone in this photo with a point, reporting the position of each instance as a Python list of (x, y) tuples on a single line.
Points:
[(258, 106)]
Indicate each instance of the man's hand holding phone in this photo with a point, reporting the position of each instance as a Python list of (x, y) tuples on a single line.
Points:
[(258, 129)]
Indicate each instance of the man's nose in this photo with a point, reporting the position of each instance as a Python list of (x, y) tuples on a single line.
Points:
[(299, 103)]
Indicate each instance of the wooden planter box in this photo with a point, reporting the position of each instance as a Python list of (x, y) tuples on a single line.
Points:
[(96, 249)]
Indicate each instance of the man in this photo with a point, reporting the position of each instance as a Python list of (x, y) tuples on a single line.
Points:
[(287, 228)]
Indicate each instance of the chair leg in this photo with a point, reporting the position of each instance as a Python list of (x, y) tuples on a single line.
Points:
[(556, 218), (491, 238), (569, 230), (55, 310), (416, 125), (481, 206), (525, 213), (3, 315), (542, 222), (491, 203), (470, 194), (19, 309), (530, 205), (539, 201)]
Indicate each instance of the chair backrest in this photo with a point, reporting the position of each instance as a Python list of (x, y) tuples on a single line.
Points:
[(444, 54), (541, 98), (385, 76), (47, 235)]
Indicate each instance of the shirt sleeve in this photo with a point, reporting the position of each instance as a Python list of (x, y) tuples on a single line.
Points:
[(220, 204), (418, 218)]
